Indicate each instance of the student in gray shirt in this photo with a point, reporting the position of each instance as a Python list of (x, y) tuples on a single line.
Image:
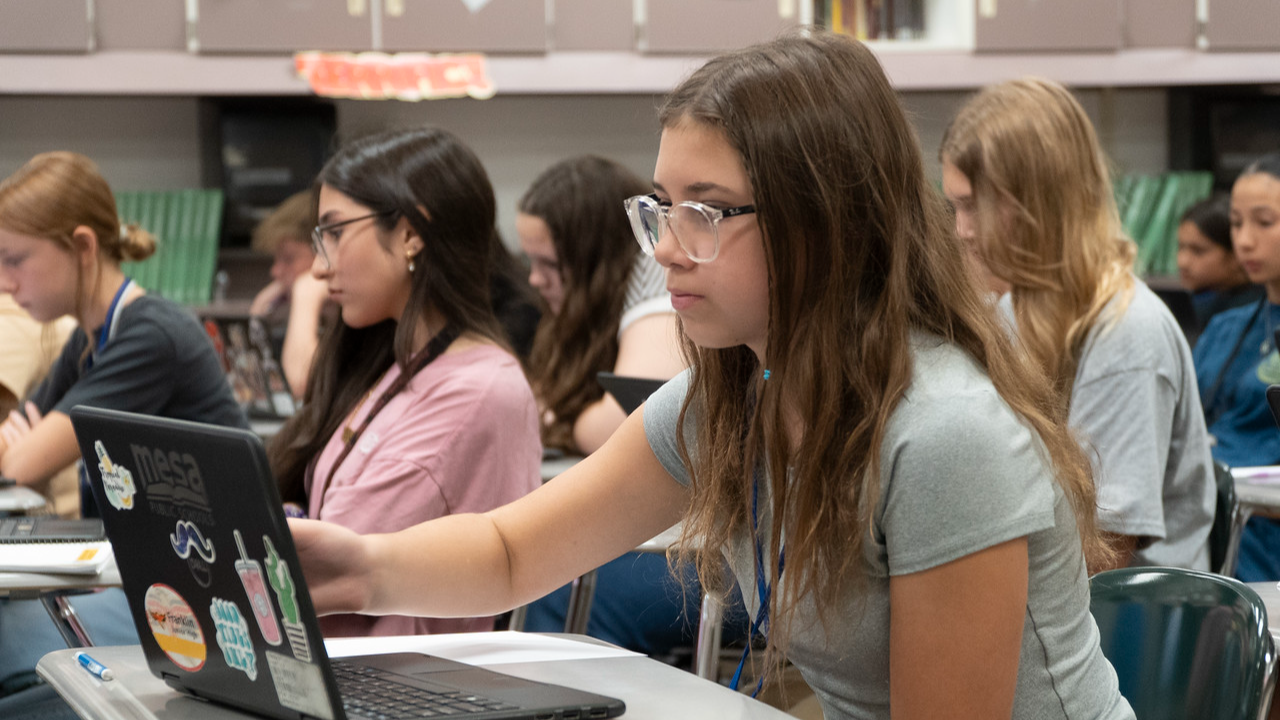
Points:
[(1032, 197), (895, 491)]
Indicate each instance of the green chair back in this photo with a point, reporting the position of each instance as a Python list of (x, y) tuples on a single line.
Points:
[(1185, 644)]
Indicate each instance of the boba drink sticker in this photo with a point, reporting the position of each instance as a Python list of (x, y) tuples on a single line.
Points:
[(117, 482), (299, 685), (255, 588), (287, 597), (191, 545), (174, 626), (232, 633)]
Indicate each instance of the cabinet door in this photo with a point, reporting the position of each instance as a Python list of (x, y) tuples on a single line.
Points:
[(45, 26), (1160, 23), (593, 25), (1047, 25), (702, 26), (454, 26), (285, 26), (119, 29), (1243, 25)]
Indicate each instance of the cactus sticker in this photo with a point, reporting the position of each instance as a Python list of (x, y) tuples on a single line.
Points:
[(232, 633), (117, 482), (287, 598)]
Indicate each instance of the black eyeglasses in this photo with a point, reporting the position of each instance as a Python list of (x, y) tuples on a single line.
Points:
[(324, 241)]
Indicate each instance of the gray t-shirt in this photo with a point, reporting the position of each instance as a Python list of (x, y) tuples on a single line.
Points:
[(1136, 405), (959, 473)]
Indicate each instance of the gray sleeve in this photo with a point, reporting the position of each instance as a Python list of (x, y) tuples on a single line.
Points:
[(959, 474), (1124, 419), (661, 412)]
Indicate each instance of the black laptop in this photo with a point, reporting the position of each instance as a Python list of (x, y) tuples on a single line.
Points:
[(211, 576), (49, 528), (630, 392)]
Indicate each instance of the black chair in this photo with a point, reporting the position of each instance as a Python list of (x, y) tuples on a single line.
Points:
[(1185, 644), (1224, 541)]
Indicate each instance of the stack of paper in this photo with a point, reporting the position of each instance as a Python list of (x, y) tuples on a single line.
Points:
[(73, 558)]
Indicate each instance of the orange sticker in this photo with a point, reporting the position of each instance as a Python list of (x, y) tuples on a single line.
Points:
[(174, 626)]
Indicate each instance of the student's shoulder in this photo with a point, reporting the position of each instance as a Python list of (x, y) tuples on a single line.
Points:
[(482, 371), (155, 312), (947, 387), (1229, 321)]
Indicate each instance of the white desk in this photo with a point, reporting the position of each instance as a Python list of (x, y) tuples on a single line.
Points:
[(1257, 493), (650, 689), (1270, 594), (52, 591)]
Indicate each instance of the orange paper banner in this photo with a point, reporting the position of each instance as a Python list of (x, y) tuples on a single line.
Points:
[(403, 76)]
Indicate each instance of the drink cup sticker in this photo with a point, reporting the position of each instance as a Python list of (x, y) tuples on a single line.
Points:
[(117, 482), (174, 626), (255, 588), (299, 685), (232, 633), (286, 595)]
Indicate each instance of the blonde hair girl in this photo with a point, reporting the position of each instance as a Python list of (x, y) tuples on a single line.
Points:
[(1023, 169)]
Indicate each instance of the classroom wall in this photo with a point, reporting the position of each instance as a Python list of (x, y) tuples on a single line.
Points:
[(152, 143)]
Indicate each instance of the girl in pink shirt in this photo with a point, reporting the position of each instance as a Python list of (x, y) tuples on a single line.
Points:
[(414, 407)]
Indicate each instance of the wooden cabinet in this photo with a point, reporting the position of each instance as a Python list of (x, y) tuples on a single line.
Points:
[(496, 26), (284, 26), (593, 25), (1160, 24), (1047, 25), (119, 26), (707, 26), (46, 26), (1243, 25)]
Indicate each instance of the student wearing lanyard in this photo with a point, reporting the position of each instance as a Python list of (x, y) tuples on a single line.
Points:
[(415, 406), (1236, 357), (61, 245), (935, 510)]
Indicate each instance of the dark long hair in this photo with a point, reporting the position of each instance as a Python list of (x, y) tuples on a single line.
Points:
[(436, 183), (580, 200), (859, 252)]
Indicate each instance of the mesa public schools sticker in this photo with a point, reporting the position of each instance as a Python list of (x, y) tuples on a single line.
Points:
[(174, 626), (299, 685)]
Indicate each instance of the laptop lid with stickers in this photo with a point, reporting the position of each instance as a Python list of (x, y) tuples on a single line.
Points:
[(207, 562), (210, 572)]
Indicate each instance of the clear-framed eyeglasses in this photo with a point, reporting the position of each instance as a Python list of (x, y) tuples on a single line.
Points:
[(324, 238), (696, 227)]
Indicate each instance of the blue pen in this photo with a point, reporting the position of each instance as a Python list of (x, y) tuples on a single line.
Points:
[(100, 671)]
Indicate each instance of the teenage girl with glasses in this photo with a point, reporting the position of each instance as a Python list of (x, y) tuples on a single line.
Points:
[(896, 492), (415, 407)]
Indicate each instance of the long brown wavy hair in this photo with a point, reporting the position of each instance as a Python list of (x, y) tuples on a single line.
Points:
[(580, 200), (860, 254), (431, 179), (1046, 218)]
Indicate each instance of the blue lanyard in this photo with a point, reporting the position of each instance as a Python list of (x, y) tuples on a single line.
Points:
[(763, 590), (109, 324)]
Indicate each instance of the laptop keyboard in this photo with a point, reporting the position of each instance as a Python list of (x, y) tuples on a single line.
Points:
[(16, 527), (374, 693)]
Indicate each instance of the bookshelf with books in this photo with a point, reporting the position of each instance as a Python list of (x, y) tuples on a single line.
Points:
[(186, 224)]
